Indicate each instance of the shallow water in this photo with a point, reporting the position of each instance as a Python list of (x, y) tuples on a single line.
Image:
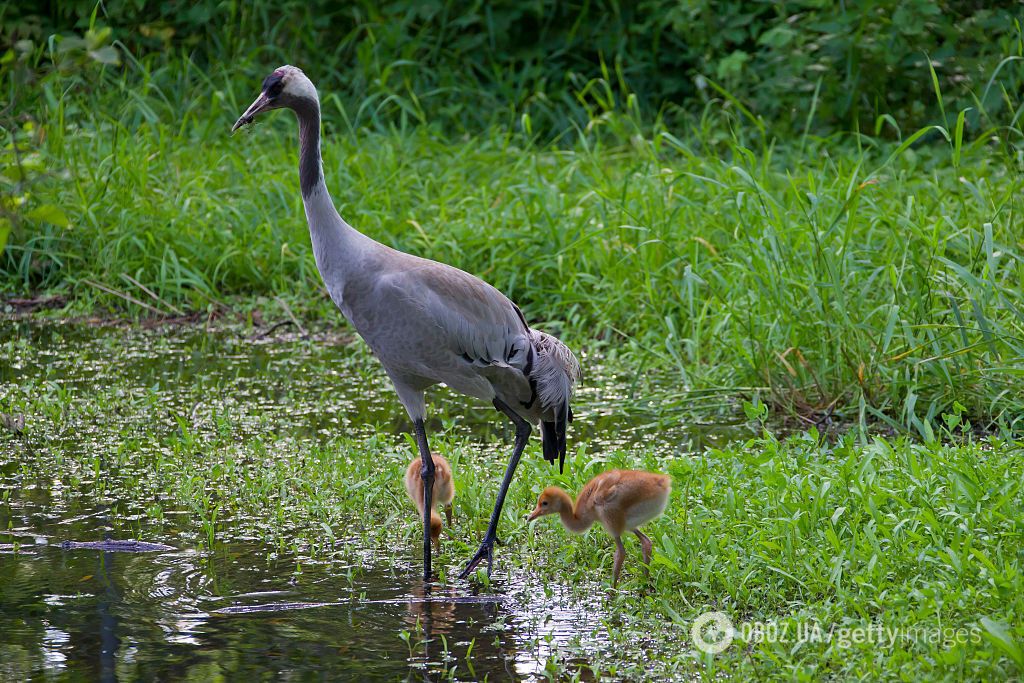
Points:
[(185, 614), (243, 607)]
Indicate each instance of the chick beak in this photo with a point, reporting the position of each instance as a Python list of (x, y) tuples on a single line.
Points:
[(261, 104), (534, 515)]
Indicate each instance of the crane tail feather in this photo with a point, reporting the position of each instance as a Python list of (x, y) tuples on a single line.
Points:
[(554, 374), (549, 441), (553, 437)]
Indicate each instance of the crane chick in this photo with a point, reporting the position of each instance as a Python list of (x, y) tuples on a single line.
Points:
[(621, 500), (443, 492)]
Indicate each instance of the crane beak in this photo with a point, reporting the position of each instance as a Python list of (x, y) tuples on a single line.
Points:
[(261, 104), (534, 515)]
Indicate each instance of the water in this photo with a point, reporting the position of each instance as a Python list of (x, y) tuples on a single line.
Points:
[(197, 615), (232, 604)]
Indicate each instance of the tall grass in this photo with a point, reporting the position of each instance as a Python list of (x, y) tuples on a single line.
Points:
[(842, 275)]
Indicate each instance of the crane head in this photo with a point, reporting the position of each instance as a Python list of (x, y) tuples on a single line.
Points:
[(286, 86), (549, 503)]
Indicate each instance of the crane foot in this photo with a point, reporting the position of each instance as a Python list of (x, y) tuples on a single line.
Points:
[(486, 552)]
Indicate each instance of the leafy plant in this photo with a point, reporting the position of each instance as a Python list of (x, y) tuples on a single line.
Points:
[(465, 63)]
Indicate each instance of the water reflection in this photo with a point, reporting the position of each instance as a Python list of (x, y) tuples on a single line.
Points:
[(233, 613)]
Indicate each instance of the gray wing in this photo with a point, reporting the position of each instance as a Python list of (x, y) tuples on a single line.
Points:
[(467, 334)]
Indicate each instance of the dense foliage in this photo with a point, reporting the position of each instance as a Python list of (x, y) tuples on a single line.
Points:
[(850, 62), (875, 275)]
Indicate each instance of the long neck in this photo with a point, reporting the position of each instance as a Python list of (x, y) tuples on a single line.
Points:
[(311, 168), (333, 239), (574, 519)]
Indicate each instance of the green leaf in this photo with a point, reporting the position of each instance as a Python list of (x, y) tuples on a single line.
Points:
[(69, 43), (50, 214), (838, 513), (5, 230), (732, 65), (96, 38), (777, 37), (106, 55), (911, 140), (958, 136), (938, 91), (999, 634), (755, 410)]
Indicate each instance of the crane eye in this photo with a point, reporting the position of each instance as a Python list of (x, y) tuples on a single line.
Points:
[(273, 85), (545, 503)]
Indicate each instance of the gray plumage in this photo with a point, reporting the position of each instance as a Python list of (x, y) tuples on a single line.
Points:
[(427, 322)]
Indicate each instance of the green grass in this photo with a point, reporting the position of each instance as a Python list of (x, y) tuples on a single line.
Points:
[(848, 275), (792, 534), (884, 534)]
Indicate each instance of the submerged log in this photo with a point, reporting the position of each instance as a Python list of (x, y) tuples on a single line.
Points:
[(116, 546)]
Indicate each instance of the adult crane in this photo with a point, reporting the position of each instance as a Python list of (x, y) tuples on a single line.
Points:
[(427, 322)]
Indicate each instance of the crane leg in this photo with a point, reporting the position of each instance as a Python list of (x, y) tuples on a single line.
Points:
[(620, 555), (645, 547), (486, 551), (427, 473)]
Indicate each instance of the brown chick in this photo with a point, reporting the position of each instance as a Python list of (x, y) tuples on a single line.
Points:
[(621, 500), (442, 495)]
